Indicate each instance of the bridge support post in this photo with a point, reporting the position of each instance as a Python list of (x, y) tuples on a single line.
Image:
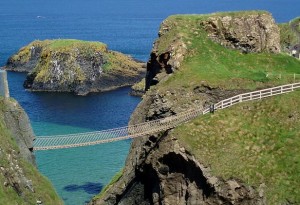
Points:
[(4, 91)]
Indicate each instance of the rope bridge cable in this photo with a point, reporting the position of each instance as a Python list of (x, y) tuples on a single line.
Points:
[(151, 127)]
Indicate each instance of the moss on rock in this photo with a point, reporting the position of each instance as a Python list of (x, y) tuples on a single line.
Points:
[(77, 66), (20, 182)]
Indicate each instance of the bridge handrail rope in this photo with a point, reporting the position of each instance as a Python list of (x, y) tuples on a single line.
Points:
[(151, 127)]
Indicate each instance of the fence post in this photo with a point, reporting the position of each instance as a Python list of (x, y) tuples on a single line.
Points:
[(212, 108), (4, 91)]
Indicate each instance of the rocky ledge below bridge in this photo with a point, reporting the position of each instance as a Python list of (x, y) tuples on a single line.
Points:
[(81, 67)]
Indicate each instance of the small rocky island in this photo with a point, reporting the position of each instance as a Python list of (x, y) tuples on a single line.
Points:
[(68, 65)]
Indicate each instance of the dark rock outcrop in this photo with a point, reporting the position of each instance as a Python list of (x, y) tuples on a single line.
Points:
[(74, 66), (163, 172)]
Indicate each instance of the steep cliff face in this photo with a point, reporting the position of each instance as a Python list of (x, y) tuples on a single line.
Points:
[(186, 70), (17, 121), (74, 66), (20, 181)]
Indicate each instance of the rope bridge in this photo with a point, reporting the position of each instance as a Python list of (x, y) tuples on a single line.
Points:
[(151, 127)]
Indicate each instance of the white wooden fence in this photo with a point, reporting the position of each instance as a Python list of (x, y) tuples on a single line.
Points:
[(259, 94)]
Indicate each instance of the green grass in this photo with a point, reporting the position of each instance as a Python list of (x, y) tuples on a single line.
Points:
[(42, 186), (296, 21), (257, 142), (64, 43), (212, 64), (109, 185), (287, 36)]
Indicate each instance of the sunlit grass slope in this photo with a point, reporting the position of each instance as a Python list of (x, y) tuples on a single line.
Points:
[(212, 64)]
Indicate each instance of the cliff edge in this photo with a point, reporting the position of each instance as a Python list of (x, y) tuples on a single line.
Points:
[(20, 181), (243, 155)]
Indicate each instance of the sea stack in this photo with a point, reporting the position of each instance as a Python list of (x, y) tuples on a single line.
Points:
[(68, 65)]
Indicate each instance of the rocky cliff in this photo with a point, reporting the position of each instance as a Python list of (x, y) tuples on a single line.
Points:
[(74, 66), (192, 66), (20, 181), (290, 35)]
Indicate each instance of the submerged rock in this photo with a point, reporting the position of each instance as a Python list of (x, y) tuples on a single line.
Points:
[(74, 66)]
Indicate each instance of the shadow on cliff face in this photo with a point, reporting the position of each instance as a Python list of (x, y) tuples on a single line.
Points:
[(88, 187)]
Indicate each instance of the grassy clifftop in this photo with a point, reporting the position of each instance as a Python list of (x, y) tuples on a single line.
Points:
[(20, 182), (256, 142), (213, 64)]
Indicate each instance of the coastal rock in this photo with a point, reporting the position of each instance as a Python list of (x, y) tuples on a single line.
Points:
[(161, 169), (158, 168), (20, 181), (163, 62), (246, 32), (74, 66), (163, 172), (17, 121)]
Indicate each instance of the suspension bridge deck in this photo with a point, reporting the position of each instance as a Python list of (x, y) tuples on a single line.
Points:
[(151, 127)]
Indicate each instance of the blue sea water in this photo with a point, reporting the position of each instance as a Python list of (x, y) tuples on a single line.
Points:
[(128, 26)]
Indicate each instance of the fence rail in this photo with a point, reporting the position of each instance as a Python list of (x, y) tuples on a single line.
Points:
[(138, 130), (256, 95)]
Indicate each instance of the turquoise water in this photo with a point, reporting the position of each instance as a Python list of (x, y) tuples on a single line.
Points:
[(80, 173), (128, 26), (77, 173)]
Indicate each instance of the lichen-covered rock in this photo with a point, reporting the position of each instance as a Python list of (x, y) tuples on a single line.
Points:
[(20, 181), (254, 32), (17, 121), (74, 66)]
